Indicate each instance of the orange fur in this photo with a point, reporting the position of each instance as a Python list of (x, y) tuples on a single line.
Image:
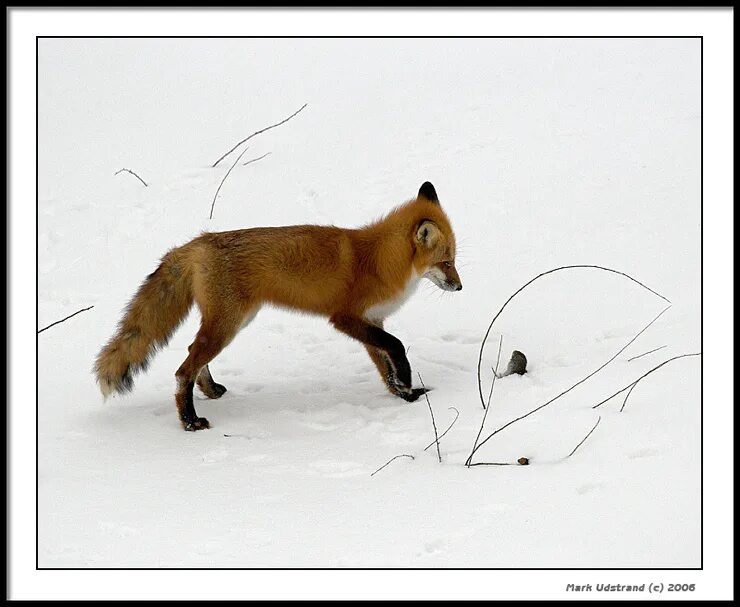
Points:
[(324, 270)]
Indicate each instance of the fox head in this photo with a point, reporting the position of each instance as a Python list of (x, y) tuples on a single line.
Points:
[(434, 242)]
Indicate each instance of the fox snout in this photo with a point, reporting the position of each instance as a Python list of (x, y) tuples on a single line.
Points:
[(445, 276)]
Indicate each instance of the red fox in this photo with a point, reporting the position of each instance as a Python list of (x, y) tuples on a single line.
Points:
[(355, 277)]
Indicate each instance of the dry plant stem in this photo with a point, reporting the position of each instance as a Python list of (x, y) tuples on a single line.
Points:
[(213, 204), (629, 360), (434, 424), (63, 319), (488, 406), (651, 371), (389, 461), (564, 392), (492, 464), (134, 174), (441, 436), (634, 383), (255, 159), (584, 438), (483, 343), (255, 134)]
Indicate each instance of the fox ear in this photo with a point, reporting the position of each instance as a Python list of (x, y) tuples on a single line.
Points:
[(427, 191), (427, 234)]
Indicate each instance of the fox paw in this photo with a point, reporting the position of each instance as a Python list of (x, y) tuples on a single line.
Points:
[(410, 395), (199, 423), (217, 391), (212, 390)]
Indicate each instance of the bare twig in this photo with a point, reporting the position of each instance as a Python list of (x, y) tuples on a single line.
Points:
[(441, 436), (645, 353), (564, 392), (488, 406), (584, 438), (389, 461), (255, 159), (653, 370), (434, 424), (491, 464), (213, 204), (63, 319), (134, 174), (483, 343), (608, 398), (257, 133), (631, 385)]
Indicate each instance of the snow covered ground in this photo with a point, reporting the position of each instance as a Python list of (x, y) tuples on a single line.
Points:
[(543, 152)]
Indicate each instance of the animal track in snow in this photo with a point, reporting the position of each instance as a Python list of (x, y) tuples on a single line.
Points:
[(431, 547), (445, 363), (457, 339), (315, 387), (118, 529), (215, 456), (647, 452), (334, 469), (588, 488), (228, 372)]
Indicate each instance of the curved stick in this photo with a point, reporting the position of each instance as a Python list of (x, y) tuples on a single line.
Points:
[(441, 436), (483, 343), (651, 371), (257, 133), (132, 173), (584, 438), (390, 460), (632, 385), (564, 392), (63, 319)]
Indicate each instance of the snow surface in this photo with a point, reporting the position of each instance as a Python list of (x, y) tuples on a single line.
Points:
[(543, 152)]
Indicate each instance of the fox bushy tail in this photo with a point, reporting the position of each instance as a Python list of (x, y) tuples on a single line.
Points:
[(159, 306)]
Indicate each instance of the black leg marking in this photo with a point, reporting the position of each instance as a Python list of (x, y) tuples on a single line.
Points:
[(390, 345), (186, 409)]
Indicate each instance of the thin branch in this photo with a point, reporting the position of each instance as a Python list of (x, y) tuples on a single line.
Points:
[(134, 174), (441, 436), (213, 204), (63, 319), (485, 414), (578, 383), (483, 343), (631, 385), (434, 424), (608, 398), (257, 133), (584, 438), (255, 159), (629, 360), (495, 377), (651, 371), (389, 461)]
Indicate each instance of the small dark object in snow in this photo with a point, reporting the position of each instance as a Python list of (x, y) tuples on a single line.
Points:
[(523, 461), (517, 364)]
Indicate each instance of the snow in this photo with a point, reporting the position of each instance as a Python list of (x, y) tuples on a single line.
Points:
[(544, 153)]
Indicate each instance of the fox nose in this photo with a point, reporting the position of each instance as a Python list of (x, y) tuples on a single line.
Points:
[(459, 287)]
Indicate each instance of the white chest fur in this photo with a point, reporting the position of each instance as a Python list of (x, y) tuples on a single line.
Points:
[(384, 309)]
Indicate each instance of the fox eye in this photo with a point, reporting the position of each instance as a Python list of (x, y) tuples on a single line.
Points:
[(447, 264)]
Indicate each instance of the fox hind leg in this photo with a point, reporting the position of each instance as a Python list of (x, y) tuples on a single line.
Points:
[(212, 337)]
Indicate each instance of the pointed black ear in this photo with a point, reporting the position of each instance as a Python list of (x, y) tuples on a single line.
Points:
[(427, 191)]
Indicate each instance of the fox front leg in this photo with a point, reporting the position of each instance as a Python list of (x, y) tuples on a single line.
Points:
[(386, 351)]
